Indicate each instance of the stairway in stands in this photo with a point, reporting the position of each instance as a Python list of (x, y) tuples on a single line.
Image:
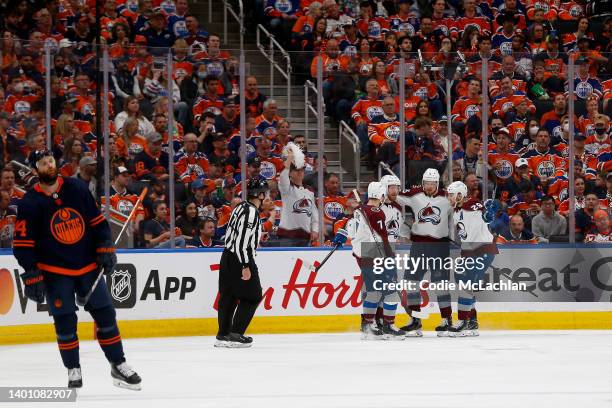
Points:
[(258, 65)]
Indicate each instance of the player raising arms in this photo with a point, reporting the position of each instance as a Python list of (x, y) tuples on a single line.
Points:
[(370, 240), (430, 243), (470, 220), (62, 241)]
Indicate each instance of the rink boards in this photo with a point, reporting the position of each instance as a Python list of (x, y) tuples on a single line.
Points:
[(163, 293)]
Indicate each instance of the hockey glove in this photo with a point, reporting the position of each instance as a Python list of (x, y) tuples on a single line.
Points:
[(34, 283), (340, 238), (107, 257)]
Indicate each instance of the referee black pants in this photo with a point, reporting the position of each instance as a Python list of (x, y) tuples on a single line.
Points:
[(238, 299)]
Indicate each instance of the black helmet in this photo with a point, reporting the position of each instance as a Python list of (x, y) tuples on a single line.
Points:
[(40, 154), (256, 186)]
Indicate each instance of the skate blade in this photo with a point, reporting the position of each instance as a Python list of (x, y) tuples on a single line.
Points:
[(367, 337), (393, 337), (235, 344), (415, 333), (221, 344), (458, 334), (442, 334), (123, 384)]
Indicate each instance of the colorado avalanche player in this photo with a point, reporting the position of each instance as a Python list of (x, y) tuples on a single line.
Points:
[(370, 240), (430, 248), (477, 243)]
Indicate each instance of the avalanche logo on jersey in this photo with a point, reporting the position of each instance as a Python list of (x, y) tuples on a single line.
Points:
[(302, 206), (584, 89), (267, 170), (393, 228), (503, 169), (461, 232), (333, 209), (392, 133), (431, 213), (374, 111), (471, 110), (67, 226), (546, 169), (284, 6)]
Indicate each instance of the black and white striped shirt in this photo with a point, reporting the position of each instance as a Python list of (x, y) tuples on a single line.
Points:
[(242, 235)]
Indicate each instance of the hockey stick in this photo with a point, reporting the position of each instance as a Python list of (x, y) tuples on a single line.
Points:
[(83, 301), (315, 269)]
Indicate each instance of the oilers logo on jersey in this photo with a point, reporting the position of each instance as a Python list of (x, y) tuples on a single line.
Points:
[(67, 226)]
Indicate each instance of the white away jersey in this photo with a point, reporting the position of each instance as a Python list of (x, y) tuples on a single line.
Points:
[(394, 221), (299, 210), (368, 227), (431, 214), (470, 227)]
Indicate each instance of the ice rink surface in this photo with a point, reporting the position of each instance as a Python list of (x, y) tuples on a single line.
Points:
[(498, 369)]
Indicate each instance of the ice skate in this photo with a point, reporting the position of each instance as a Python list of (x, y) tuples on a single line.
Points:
[(371, 332), (75, 379), (473, 326), (222, 341), (125, 377), (460, 329), (444, 326), (236, 340), (392, 332), (413, 328)]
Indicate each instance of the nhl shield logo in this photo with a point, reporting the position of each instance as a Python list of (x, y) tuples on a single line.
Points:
[(121, 287)]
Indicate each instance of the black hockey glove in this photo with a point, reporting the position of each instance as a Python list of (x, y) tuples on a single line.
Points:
[(107, 257), (34, 283)]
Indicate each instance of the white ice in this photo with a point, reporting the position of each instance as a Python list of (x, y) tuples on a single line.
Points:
[(498, 369)]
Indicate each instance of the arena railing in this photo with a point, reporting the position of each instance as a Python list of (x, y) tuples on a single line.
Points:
[(350, 153), (239, 17), (274, 46)]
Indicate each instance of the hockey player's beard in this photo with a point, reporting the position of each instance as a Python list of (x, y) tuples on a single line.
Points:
[(48, 178)]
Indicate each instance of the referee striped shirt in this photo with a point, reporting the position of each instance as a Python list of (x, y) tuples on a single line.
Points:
[(242, 235)]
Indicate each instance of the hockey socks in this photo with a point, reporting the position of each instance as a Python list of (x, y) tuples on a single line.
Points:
[(67, 340), (108, 334)]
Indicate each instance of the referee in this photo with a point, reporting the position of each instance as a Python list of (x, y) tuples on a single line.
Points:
[(239, 287)]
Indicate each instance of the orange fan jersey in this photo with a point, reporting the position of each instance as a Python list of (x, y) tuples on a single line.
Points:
[(502, 165), (136, 145), (333, 207), (410, 105), (570, 10), (330, 65), (366, 109), (465, 108), (559, 189), (190, 167), (205, 104), (545, 165), (124, 204), (480, 22), (505, 103), (378, 133), (475, 68), (548, 6)]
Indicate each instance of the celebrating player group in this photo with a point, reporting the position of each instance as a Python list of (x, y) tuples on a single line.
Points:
[(441, 217)]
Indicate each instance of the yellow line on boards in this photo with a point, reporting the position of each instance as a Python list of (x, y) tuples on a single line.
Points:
[(36, 333)]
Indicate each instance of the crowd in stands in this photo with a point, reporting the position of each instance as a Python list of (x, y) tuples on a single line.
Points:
[(528, 46)]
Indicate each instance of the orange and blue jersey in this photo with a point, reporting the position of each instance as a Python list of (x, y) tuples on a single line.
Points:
[(60, 233)]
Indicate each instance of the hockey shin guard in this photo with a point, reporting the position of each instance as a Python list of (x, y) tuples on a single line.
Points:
[(108, 334), (67, 340)]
